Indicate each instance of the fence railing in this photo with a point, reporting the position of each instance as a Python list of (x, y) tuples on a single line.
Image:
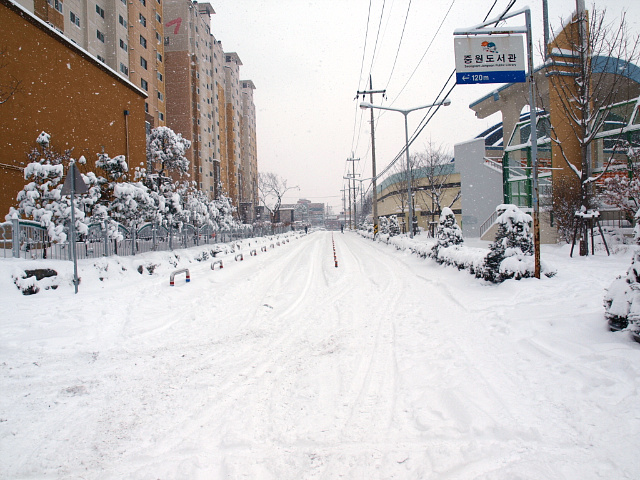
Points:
[(28, 239)]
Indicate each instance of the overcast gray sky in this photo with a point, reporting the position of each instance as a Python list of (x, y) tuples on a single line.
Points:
[(309, 58)]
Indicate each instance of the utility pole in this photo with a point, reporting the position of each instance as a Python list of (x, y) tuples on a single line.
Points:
[(344, 204), (371, 91), (353, 176)]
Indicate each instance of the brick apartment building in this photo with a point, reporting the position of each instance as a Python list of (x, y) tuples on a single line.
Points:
[(65, 91), (167, 50)]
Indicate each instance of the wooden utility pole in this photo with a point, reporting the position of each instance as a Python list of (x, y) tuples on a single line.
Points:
[(353, 176), (371, 91)]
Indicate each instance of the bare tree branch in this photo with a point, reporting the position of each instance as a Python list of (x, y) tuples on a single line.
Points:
[(10, 86), (272, 189)]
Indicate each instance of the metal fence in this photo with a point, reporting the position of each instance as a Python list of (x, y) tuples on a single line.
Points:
[(28, 239)]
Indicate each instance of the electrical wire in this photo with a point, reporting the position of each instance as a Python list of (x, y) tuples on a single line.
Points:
[(364, 50), (375, 46), (430, 113), (425, 52), (399, 45)]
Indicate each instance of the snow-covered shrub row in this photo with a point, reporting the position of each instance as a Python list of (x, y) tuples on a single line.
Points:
[(509, 256), (622, 298), (115, 195)]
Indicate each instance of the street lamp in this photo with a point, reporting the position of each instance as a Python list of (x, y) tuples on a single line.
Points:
[(446, 102)]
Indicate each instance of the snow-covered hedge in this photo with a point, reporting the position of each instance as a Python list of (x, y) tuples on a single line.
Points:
[(510, 256)]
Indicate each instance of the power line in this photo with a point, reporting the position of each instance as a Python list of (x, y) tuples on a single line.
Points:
[(425, 52), (399, 45), (364, 50), (426, 120), (375, 46)]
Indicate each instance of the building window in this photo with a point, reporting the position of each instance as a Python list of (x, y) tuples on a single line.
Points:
[(143, 2), (159, 57), (143, 20), (74, 18), (161, 116), (158, 18), (57, 4), (102, 59), (144, 84), (100, 11), (124, 69), (123, 45), (122, 21), (143, 63), (143, 41), (160, 97), (146, 107), (100, 35), (158, 37), (159, 77)]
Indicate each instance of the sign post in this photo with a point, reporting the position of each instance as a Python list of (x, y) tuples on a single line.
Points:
[(479, 59), (73, 184)]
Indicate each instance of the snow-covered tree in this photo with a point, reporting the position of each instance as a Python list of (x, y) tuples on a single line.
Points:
[(513, 243), (165, 161), (132, 204), (449, 232), (41, 198), (584, 96), (389, 225), (224, 212), (165, 152)]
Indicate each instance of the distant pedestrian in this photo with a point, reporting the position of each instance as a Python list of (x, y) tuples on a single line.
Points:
[(342, 228), (306, 229)]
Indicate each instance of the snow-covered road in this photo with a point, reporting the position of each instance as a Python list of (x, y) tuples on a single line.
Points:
[(283, 366)]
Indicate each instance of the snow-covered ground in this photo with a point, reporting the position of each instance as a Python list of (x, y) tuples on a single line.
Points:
[(283, 366)]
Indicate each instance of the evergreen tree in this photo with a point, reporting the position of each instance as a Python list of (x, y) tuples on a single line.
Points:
[(514, 239), (448, 233), (165, 155), (41, 198), (165, 152)]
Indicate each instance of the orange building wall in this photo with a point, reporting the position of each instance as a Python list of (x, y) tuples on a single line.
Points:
[(66, 93)]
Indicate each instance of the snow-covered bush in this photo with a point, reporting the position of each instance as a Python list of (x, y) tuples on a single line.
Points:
[(622, 298), (511, 254), (389, 225), (448, 234)]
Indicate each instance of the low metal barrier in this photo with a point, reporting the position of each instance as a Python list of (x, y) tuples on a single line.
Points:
[(30, 240), (173, 275)]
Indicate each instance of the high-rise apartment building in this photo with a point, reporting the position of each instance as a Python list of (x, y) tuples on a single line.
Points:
[(125, 35), (167, 49), (192, 87), (209, 105), (248, 152)]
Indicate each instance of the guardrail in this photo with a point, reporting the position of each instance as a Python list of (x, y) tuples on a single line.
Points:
[(30, 240)]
